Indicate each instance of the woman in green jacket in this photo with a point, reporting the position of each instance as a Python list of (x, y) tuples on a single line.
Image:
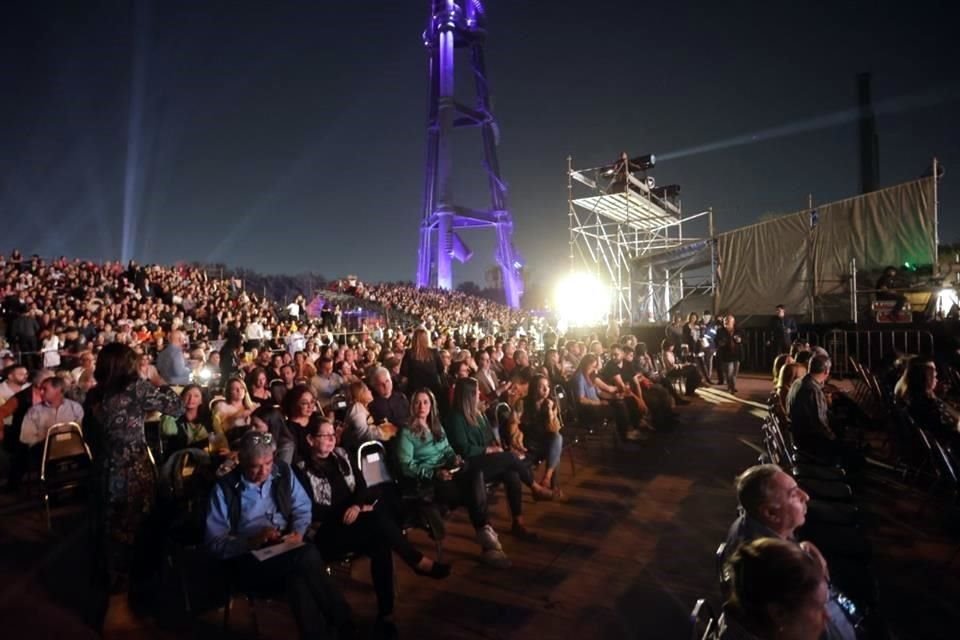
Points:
[(471, 437), (425, 457)]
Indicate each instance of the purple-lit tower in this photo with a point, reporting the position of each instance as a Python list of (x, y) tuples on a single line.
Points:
[(460, 26)]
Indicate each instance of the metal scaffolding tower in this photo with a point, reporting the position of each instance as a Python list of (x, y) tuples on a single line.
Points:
[(460, 25), (629, 234)]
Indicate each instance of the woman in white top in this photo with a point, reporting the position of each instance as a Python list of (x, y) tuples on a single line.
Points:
[(51, 351), (358, 426)]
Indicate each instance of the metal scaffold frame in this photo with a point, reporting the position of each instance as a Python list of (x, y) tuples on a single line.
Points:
[(629, 234)]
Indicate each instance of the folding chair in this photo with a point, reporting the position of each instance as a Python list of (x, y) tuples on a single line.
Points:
[(338, 407), (703, 624), (66, 462), (184, 482), (372, 463), (819, 480), (151, 431), (374, 469), (570, 439), (723, 576)]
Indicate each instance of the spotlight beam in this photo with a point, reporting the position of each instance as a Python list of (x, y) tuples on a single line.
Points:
[(886, 107), (138, 80)]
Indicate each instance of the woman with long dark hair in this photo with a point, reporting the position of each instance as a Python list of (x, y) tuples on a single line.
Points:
[(193, 427), (473, 438), (300, 405), (127, 481), (269, 419), (429, 465), (259, 386), (540, 424), (917, 390)]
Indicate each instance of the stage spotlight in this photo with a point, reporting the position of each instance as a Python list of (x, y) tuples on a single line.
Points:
[(581, 300), (667, 191), (643, 163)]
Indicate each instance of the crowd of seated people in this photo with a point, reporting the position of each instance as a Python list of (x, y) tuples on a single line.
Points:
[(772, 581), (463, 404), (814, 414), (772, 506)]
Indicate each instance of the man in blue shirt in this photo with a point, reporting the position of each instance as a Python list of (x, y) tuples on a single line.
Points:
[(261, 503), (171, 363)]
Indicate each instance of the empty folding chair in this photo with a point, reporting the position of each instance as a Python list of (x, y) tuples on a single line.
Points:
[(66, 463)]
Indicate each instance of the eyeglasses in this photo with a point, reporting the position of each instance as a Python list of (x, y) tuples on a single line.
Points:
[(327, 436), (255, 437)]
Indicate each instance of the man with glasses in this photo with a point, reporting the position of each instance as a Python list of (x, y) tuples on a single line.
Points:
[(259, 504), (490, 385)]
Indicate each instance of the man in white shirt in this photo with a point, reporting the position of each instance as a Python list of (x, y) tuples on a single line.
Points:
[(296, 341), (253, 334), (54, 409), (293, 310)]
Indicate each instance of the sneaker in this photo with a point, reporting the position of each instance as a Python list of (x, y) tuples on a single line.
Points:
[(496, 558), (488, 539)]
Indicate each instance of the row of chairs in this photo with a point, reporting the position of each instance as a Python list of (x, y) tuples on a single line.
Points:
[(833, 523), (919, 454)]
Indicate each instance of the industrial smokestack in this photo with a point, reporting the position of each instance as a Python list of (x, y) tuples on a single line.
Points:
[(869, 144)]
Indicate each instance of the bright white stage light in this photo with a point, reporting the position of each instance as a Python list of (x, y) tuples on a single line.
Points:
[(581, 300), (946, 300)]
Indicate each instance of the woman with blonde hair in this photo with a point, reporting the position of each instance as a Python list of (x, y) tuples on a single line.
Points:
[(421, 365), (233, 413), (789, 373), (358, 425)]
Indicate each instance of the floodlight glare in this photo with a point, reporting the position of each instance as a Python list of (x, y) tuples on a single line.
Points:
[(581, 300), (947, 299)]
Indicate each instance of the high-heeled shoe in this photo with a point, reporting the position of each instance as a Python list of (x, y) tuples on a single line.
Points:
[(541, 492), (438, 571)]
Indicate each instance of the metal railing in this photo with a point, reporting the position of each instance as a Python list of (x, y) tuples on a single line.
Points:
[(870, 347), (759, 348)]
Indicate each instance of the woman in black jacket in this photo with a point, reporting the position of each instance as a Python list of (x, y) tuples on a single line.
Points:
[(349, 517)]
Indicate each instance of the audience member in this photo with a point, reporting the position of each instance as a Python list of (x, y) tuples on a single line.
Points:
[(259, 504), (779, 591), (349, 517), (430, 467)]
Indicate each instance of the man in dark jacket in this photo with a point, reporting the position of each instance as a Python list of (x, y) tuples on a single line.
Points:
[(783, 331)]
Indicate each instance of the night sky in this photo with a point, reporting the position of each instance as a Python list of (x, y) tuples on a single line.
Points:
[(288, 136)]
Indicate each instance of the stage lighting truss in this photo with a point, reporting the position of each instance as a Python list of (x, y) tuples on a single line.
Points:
[(630, 233)]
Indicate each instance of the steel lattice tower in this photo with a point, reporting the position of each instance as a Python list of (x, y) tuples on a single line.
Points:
[(460, 26)]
